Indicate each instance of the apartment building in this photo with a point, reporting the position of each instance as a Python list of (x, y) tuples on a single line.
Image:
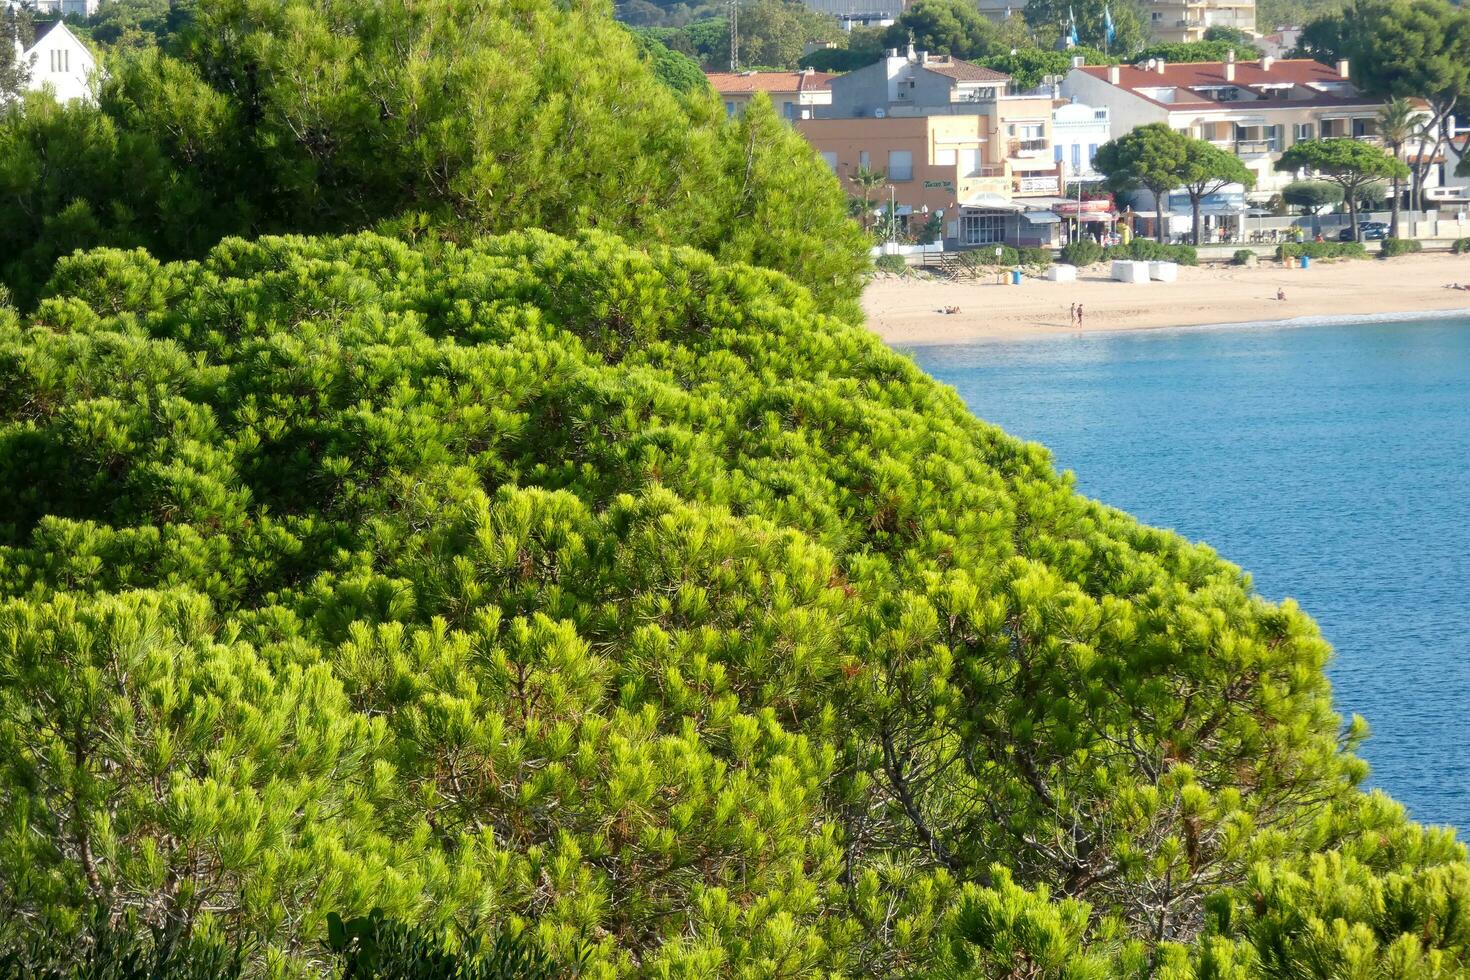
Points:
[(860, 13), (793, 93), (1255, 109), (1187, 20), (951, 138)]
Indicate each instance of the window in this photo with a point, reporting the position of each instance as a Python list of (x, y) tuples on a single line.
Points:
[(729, 110), (900, 165), (942, 158), (982, 229), (830, 159), (1100, 114), (1076, 157), (1301, 131), (1056, 153), (1273, 138), (1030, 131), (864, 161), (1091, 152), (789, 108), (60, 60)]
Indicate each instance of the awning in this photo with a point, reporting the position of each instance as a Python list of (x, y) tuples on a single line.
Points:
[(1041, 217), (991, 202)]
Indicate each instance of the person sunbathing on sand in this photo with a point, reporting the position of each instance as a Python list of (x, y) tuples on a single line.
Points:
[(1281, 295)]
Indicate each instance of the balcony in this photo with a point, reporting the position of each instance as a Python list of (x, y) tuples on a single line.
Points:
[(1253, 148), (1025, 149), (1038, 184)]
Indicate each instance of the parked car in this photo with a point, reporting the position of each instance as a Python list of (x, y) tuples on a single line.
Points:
[(1368, 231)]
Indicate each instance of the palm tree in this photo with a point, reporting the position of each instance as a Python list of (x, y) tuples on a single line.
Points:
[(1398, 125), (867, 180)]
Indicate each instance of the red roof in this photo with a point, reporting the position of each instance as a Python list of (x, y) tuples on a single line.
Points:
[(1189, 78), (734, 82), (962, 71)]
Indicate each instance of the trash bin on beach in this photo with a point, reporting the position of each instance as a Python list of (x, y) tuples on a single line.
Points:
[(1015, 277), (1306, 261)]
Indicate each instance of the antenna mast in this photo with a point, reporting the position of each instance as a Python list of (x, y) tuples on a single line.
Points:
[(734, 35)]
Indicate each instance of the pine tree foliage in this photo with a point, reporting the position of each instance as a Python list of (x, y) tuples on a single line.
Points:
[(627, 601), (263, 116)]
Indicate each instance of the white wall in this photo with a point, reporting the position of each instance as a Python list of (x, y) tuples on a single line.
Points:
[(1126, 111), (61, 63)]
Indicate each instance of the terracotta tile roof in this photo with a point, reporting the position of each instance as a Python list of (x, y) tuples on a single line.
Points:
[(736, 82), (962, 71), (1189, 78)]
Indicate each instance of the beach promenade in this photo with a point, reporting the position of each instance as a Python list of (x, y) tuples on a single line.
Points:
[(906, 311)]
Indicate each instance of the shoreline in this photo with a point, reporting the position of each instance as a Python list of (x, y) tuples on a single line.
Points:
[(904, 312)]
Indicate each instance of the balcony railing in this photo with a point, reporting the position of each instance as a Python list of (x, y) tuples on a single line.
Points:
[(1029, 148), (1252, 148), (1042, 184)]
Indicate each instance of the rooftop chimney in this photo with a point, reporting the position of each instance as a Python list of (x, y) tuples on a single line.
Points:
[(1342, 68), (923, 57), (1267, 62), (1078, 61), (1230, 56), (1162, 66), (1230, 70), (1115, 74)]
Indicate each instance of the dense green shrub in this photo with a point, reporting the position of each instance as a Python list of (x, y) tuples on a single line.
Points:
[(631, 603), (997, 255), (269, 116), (1148, 250), (1322, 250), (1242, 256), (892, 264), (1034, 256), (1081, 252), (1461, 246), (1390, 247)]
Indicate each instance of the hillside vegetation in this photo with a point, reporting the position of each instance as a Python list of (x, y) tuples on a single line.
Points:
[(628, 599), (291, 116)]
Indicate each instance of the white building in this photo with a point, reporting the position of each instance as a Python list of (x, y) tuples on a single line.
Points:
[(1077, 131), (64, 8), (1254, 109), (860, 13), (60, 62)]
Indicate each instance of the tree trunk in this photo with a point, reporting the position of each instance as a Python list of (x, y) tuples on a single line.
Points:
[(1159, 216), (1398, 193), (1352, 199), (1194, 200)]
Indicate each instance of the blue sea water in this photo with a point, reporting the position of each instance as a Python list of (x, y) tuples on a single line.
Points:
[(1331, 462)]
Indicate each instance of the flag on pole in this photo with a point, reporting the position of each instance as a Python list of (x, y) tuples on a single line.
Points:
[(1073, 36), (1108, 24)]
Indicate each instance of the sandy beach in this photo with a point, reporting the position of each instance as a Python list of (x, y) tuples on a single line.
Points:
[(905, 312)]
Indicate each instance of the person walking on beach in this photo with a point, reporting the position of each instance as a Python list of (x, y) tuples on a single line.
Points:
[(1072, 317), (1079, 314)]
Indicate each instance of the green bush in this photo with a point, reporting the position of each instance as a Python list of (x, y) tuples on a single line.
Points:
[(1242, 256), (1390, 247), (892, 264), (1322, 250), (631, 599), (985, 255), (1081, 252), (1148, 250), (1034, 256), (1461, 246)]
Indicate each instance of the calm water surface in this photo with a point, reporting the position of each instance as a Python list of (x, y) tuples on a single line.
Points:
[(1332, 462)]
